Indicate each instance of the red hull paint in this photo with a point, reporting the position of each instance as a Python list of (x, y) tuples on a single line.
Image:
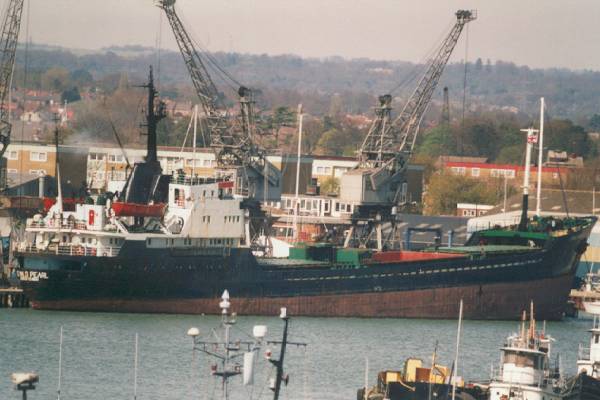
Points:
[(494, 301), (138, 210)]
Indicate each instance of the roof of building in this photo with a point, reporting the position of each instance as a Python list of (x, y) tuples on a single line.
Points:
[(553, 202), (446, 158)]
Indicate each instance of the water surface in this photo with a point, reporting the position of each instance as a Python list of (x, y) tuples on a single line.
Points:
[(98, 353)]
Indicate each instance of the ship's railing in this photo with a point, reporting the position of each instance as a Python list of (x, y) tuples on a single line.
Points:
[(52, 223), (67, 224), (497, 375), (583, 353), (72, 250), (195, 180)]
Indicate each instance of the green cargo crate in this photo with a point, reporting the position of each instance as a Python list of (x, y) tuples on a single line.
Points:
[(352, 256)]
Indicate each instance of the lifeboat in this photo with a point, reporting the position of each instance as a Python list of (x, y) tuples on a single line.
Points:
[(138, 210), (68, 203)]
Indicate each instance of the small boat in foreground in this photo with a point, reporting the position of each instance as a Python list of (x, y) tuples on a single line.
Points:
[(586, 384), (526, 371)]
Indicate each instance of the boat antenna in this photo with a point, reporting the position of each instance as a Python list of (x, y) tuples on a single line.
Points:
[(280, 375), (135, 368), (531, 322), (455, 364), (432, 370), (366, 378), (59, 364)]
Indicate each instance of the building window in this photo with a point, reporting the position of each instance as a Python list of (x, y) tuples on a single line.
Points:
[(38, 156), (40, 172), (96, 157), (11, 171), (116, 158), (11, 155), (320, 170), (500, 173), (475, 172), (459, 170)]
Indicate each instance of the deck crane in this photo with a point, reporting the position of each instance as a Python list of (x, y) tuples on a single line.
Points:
[(378, 184), (231, 138), (11, 27)]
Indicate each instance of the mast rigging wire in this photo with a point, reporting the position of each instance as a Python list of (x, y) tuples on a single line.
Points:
[(418, 67)]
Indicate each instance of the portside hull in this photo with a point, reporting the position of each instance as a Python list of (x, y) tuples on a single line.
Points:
[(140, 279), (487, 301)]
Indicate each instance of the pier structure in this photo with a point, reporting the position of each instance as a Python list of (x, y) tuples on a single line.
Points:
[(13, 298)]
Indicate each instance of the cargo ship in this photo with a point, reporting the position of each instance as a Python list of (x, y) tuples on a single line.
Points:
[(173, 244)]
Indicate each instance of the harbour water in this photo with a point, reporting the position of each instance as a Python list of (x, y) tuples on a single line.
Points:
[(98, 353)]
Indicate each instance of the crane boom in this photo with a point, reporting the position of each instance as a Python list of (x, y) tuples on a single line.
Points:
[(389, 143), (11, 27), (203, 84), (231, 139), (378, 184)]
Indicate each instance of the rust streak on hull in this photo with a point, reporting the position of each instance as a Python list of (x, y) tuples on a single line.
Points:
[(492, 301)]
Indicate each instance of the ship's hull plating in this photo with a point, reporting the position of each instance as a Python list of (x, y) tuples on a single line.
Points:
[(496, 286), (492, 301)]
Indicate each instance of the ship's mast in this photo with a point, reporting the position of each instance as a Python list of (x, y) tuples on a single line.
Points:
[(154, 115), (531, 139)]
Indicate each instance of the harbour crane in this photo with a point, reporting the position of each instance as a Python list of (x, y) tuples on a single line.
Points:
[(232, 139), (11, 27), (377, 186)]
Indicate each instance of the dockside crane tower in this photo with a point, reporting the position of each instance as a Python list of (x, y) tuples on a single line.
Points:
[(231, 138), (11, 26), (377, 186)]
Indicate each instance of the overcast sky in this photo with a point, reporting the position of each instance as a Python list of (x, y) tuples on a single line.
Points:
[(538, 33)]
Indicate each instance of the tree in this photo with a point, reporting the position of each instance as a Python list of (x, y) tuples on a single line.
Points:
[(332, 142), (478, 65), (595, 123), (330, 185), (562, 134), (70, 95), (438, 141), (56, 80), (446, 190), (82, 77)]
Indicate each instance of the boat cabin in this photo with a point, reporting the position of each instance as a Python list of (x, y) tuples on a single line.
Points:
[(588, 360)]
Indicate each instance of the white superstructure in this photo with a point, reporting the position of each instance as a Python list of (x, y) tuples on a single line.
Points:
[(589, 358), (525, 372), (200, 213)]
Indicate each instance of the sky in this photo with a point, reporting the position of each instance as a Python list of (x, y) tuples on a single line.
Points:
[(537, 33)]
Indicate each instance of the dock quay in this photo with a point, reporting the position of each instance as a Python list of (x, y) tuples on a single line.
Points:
[(13, 298)]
